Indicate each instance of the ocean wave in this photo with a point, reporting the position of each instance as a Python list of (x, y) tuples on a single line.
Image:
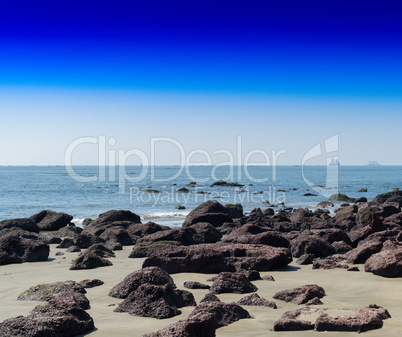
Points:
[(169, 215), (78, 222)]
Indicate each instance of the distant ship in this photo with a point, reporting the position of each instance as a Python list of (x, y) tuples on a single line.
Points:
[(334, 161), (373, 163)]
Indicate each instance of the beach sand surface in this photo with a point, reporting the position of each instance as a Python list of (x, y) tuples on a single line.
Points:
[(344, 290)]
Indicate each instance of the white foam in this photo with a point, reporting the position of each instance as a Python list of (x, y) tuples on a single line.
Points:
[(78, 222), (168, 215)]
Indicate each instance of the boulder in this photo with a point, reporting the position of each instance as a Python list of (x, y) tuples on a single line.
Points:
[(227, 282), (256, 300), (210, 298), (330, 262), (341, 197), (73, 249), (24, 223), (157, 301), (387, 263), (63, 316), (87, 283), (151, 275), (66, 243), (384, 197), (210, 211), (51, 221), (269, 238), (118, 234), (365, 319), (195, 285), (325, 204), (218, 257), (117, 215), (305, 259), (223, 313), (363, 252), (290, 320), (101, 250), (234, 210), (139, 230), (195, 327), (46, 292), (17, 249), (300, 295), (89, 260), (311, 244), (341, 247)]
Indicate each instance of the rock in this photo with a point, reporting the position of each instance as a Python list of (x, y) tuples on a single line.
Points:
[(331, 235), (61, 317), (183, 190), (85, 240), (305, 259), (66, 243), (269, 238), (309, 195), (118, 234), (359, 233), (268, 212), (116, 215), (387, 263), (150, 190), (151, 275), (311, 244), (157, 301), (91, 283), (325, 204), (210, 211), (101, 250), (225, 184), (89, 260), (314, 301), (210, 298), (196, 327), (234, 210), (223, 313), (140, 230), (218, 257), (51, 221), (341, 197), (365, 319), (353, 269), (290, 320), (341, 247), (112, 245), (205, 233), (256, 300), (24, 223), (268, 278), (362, 190), (195, 285), (73, 249), (17, 249), (300, 295), (252, 275), (360, 200), (67, 231), (329, 262), (180, 207), (372, 220), (46, 292), (258, 218), (59, 253), (384, 197), (144, 250), (363, 252), (227, 282)]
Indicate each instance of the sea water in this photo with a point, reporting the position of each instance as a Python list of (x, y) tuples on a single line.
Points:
[(90, 190)]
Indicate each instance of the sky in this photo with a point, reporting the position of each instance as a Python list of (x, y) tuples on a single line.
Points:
[(280, 76)]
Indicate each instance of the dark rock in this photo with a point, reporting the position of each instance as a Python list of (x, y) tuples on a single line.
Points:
[(66, 243), (183, 190), (269, 238), (91, 283), (300, 295), (384, 197), (256, 300), (118, 234), (309, 195), (46, 292), (387, 263), (223, 313), (195, 285), (290, 322), (314, 301), (101, 250), (329, 262), (59, 253), (51, 221), (117, 215), (205, 233), (180, 207), (332, 234), (234, 210), (227, 282), (361, 199), (112, 245), (210, 298), (268, 212), (144, 250), (362, 190), (204, 326), (305, 259), (359, 233), (365, 319), (210, 211), (25, 224), (89, 260), (341, 197), (341, 247), (311, 244), (372, 220), (17, 249), (257, 217), (252, 275), (268, 278), (325, 204), (151, 275), (61, 317), (363, 252), (157, 301), (214, 258), (353, 269), (148, 228), (73, 249)]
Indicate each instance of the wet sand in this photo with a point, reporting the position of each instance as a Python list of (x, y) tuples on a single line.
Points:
[(345, 290)]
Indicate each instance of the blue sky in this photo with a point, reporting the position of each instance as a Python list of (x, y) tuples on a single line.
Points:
[(282, 75)]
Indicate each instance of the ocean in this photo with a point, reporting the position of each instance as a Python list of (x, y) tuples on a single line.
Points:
[(90, 190)]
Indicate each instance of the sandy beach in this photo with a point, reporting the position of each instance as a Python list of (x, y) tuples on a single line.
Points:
[(346, 290)]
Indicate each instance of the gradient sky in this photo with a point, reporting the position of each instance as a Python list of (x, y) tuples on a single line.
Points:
[(282, 75)]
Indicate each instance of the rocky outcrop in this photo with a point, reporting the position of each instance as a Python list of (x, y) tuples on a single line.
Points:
[(265, 237), (210, 211), (363, 252), (223, 313), (24, 223), (227, 282), (46, 292), (151, 275), (311, 244), (255, 300), (17, 249), (157, 301), (62, 317), (215, 258), (300, 295), (51, 221)]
